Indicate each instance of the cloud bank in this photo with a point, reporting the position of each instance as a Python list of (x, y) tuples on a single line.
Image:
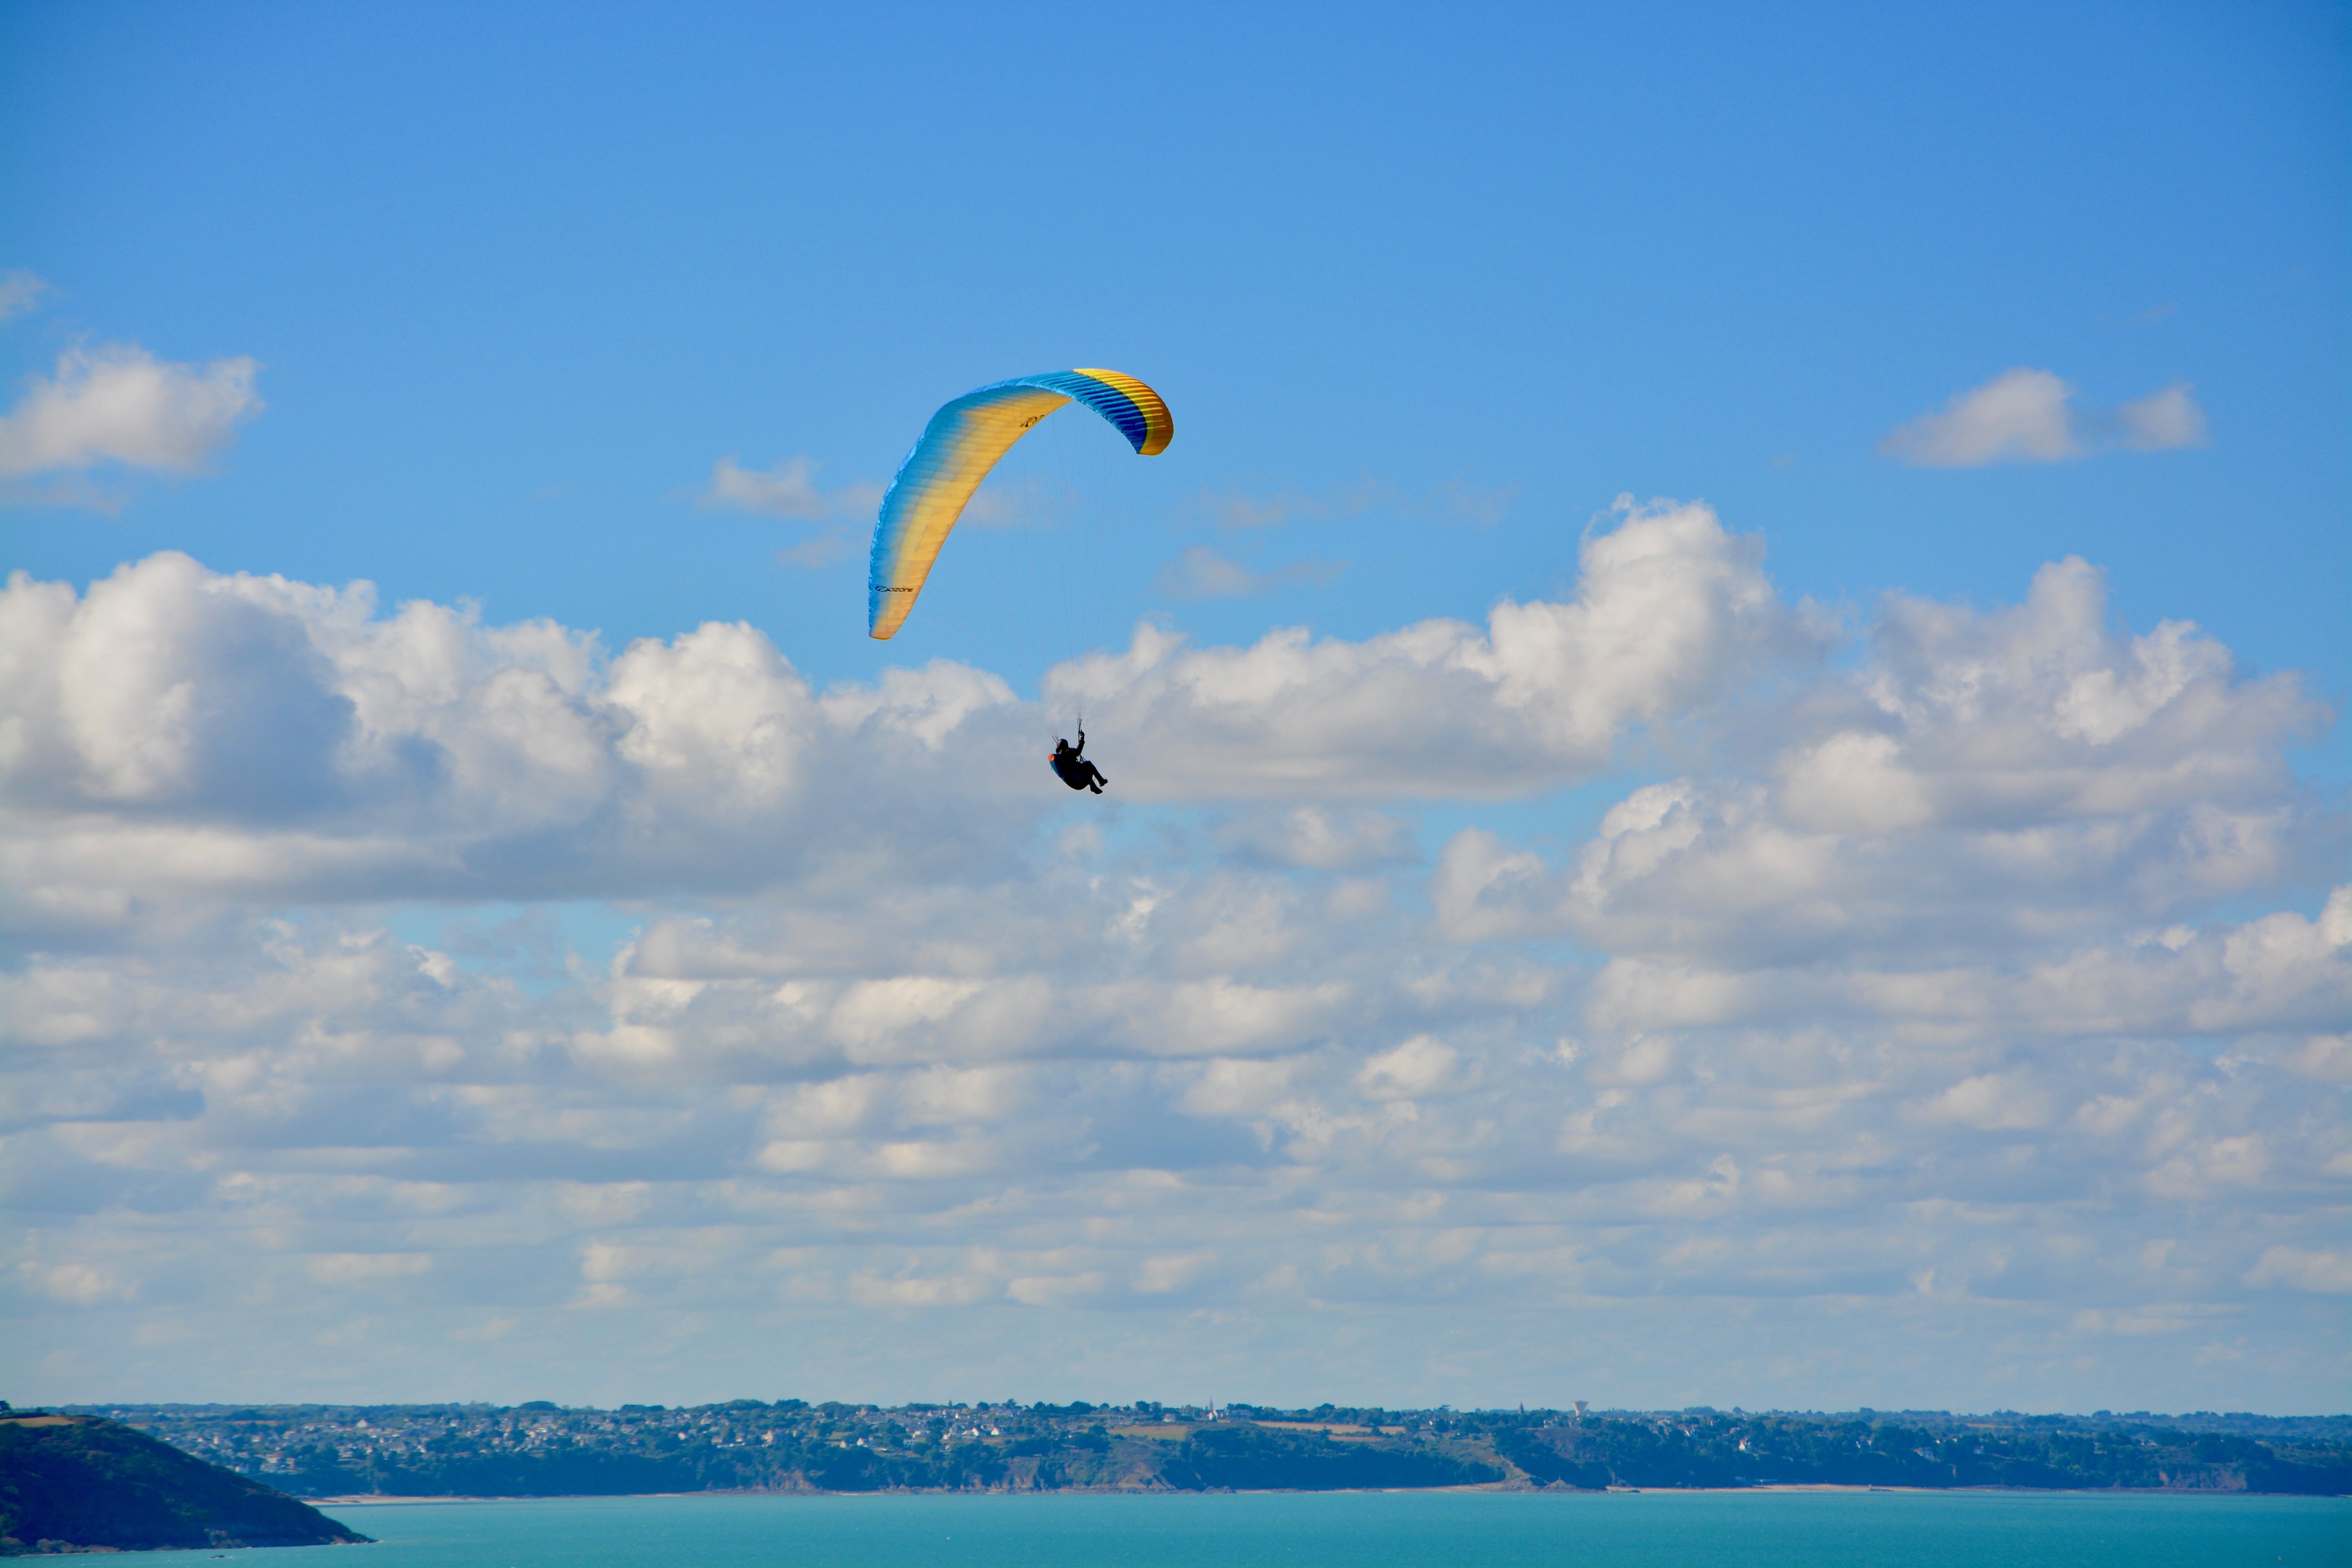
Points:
[(1913, 1004)]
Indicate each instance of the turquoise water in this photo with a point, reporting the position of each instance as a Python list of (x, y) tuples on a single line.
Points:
[(1708, 1529)]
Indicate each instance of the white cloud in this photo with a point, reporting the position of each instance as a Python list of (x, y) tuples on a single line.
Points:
[(1202, 574), (2326, 1272), (788, 489), (1982, 957), (1668, 611), (869, 1290), (188, 730), (83, 1284), (2025, 415), (2018, 775), (2020, 416), (19, 291), (184, 733), (118, 402), (1424, 1065), (1199, 572), (2162, 421), (1157, 1276), (1047, 1291), (1990, 1102)]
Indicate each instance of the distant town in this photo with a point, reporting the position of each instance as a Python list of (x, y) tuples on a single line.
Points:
[(541, 1448)]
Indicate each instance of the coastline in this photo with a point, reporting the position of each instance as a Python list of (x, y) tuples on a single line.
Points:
[(387, 1500)]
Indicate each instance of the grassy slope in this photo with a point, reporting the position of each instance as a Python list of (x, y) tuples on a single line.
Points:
[(93, 1482)]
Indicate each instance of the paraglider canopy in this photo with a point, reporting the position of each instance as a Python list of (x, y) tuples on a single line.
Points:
[(959, 446)]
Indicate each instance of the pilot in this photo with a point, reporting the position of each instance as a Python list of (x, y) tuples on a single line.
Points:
[(1070, 765)]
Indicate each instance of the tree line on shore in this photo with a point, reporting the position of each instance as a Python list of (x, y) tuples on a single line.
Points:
[(542, 1449)]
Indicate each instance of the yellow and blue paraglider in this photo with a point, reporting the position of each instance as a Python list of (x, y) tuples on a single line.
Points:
[(961, 443)]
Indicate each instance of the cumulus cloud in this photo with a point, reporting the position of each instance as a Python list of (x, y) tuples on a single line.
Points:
[(248, 732), (1969, 983), (1670, 610), (2025, 415), (2015, 777), (182, 731), (118, 402)]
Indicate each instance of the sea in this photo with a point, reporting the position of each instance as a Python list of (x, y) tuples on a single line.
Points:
[(1310, 1529)]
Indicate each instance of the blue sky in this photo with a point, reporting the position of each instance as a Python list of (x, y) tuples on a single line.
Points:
[(1712, 253), (1427, 295)]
